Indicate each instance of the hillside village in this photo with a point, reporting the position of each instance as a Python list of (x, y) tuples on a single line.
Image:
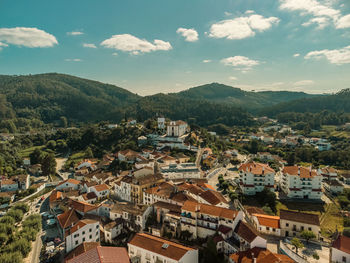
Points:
[(176, 198)]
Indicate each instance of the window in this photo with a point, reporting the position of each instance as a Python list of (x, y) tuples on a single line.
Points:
[(83, 239), (90, 230), (267, 228), (309, 228), (76, 242), (97, 227), (302, 228), (83, 232), (287, 224), (90, 236), (344, 259)]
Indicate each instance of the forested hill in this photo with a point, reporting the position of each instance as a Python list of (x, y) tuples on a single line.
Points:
[(47, 97), (217, 92), (339, 102)]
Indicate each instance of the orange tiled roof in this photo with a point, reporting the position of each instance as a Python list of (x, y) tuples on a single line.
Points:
[(155, 244), (302, 172), (82, 206), (54, 196), (259, 255), (256, 168), (68, 218), (209, 210), (101, 187), (70, 180), (80, 224), (342, 243), (267, 220)]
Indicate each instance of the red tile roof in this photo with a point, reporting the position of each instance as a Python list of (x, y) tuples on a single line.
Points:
[(246, 232), (256, 168), (82, 248), (155, 244), (70, 180), (82, 206), (101, 187), (101, 254), (269, 221), (68, 218), (342, 243), (259, 255), (80, 224), (306, 218), (302, 172), (210, 210)]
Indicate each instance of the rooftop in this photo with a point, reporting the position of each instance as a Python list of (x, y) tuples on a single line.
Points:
[(306, 218), (160, 246), (342, 243)]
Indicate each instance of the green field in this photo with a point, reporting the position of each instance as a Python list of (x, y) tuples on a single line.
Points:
[(26, 152), (330, 130), (74, 159)]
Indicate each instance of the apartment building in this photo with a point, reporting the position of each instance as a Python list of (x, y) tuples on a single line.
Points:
[(180, 171), (203, 220), (301, 182), (85, 230), (254, 177)]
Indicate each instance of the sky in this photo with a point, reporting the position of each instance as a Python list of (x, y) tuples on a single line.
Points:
[(152, 46)]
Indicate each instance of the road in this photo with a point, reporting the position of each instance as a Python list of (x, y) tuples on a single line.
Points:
[(60, 163)]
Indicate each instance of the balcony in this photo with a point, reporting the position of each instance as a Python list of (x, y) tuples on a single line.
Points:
[(208, 219)]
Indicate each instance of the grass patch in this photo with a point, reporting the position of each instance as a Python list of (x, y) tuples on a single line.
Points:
[(26, 152), (42, 192), (331, 220)]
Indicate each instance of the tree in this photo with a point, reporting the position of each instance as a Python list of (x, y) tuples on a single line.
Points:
[(36, 156), (254, 146), (51, 145), (15, 257), (297, 244), (89, 153), (16, 214), (346, 231), (21, 206), (267, 210), (307, 235), (3, 239), (64, 122), (7, 220), (316, 256), (21, 245), (290, 158), (210, 252), (48, 164)]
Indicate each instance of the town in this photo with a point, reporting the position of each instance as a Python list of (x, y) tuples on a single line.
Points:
[(175, 192)]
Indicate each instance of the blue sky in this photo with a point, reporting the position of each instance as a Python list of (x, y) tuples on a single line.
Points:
[(165, 46)]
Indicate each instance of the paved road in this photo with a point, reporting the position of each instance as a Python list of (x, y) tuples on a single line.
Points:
[(60, 163)]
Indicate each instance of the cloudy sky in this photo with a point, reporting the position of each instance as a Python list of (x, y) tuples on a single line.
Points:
[(164, 46)]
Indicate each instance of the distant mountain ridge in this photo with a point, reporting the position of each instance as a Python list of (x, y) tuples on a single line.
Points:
[(247, 99), (48, 97)]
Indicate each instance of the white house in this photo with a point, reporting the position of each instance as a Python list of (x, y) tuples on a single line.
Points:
[(340, 250), (203, 220), (101, 190), (122, 188), (176, 128), (180, 171), (333, 186), (328, 173), (301, 182), (7, 185), (254, 177), (68, 184), (161, 123), (113, 229), (267, 224), (248, 237), (85, 230), (144, 248), (293, 223)]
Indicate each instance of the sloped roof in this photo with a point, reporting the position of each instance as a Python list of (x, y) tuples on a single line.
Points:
[(101, 187), (68, 218), (342, 243), (267, 220), (257, 168), (246, 232), (155, 244), (213, 197), (259, 255), (99, 254), (302, 172), (306, 218), (82, 206), (70, 180), (80, 224), (210, 210)]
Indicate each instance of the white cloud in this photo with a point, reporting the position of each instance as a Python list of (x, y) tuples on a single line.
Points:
[(305, 82), (240, 62), (27, 37), (241, 27), (190, 34), (323, 13), (73, 59), (115, 54), (206, 61), (134, 45), (89, 45), (321, 22), (3, 45), (75, 33), (343, 22), (227, 13), (249, 12), (296, 55), (232, 78), (334, 56)]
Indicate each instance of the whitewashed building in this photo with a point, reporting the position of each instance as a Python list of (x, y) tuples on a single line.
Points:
[(144, 248), (301, 182), (340, 250), (180, 171), (176, 128), (85, 230), (254, 177)]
